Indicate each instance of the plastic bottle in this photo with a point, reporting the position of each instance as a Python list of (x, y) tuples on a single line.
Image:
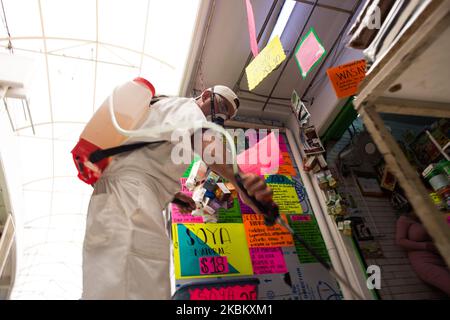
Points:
[(131, 107)]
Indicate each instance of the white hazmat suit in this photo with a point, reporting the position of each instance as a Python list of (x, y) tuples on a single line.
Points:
[(126, 252)]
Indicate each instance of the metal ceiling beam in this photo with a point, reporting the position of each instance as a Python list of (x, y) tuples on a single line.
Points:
[(291, 54), (326, 6), (263, 96), (285, 106), (68, 47), (87, 41), (76, 58)]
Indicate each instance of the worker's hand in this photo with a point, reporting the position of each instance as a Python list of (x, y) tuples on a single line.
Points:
[(189, 203), (256, 187)]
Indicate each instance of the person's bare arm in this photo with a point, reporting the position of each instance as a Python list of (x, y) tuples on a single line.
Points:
[(402, 240)]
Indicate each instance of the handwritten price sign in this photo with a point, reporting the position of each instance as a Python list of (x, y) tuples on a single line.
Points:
[(265, 62), (246, 292), (213, 265), (346, 78)]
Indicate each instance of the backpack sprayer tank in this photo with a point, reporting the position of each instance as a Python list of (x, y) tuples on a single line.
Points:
[(131, 106)]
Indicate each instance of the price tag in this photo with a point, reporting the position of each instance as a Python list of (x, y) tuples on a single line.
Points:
[(213, 265), (265, 62), (237, 292), (301, 218)]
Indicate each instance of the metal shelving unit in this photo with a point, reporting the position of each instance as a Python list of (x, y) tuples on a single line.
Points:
[(412, 78)]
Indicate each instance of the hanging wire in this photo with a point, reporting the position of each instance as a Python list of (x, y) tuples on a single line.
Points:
[(263, 95), (5, 21)]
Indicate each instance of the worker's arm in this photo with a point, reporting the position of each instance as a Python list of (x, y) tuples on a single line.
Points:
[(254, 184)]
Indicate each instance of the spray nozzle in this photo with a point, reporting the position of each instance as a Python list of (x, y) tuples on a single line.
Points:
[(269, 210)]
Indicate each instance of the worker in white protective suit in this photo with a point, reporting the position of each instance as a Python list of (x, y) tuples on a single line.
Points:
[(126, 252)]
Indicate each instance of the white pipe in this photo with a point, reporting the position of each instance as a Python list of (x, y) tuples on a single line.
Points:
[(156, 132), (318, 213)]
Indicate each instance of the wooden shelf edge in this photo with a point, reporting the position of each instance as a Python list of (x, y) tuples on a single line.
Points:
[(409, 181), (412, 107), (427, 27)]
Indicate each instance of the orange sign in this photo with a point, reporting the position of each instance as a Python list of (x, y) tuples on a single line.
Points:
[(287, 168), (260, 235), (347, 77)]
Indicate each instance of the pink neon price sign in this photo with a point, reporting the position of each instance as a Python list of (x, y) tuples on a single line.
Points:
[(234, 292)]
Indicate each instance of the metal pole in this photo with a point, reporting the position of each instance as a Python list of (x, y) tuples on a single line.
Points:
[(29, 114), (285, 106), (9, 114)]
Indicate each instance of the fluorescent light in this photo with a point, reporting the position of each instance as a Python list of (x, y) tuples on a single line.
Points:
[(283, 18)]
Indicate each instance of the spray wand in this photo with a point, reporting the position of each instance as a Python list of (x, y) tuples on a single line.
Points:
[(272, 216)]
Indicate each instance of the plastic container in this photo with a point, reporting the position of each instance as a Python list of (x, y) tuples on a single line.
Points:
[(438, 176), (131, 107), (444, 193)]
